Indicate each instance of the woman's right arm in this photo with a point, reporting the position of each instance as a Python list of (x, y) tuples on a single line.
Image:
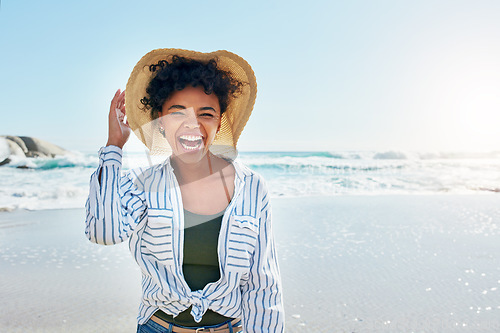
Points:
[(116, 203)]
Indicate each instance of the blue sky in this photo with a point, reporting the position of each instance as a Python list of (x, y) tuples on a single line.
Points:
[(332, 75)]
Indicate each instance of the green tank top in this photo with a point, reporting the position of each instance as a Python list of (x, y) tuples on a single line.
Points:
[(200, 265)]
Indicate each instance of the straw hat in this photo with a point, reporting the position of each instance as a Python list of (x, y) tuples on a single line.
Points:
[(233, 120)]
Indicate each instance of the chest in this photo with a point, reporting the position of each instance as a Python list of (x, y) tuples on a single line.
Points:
[(208, 196)]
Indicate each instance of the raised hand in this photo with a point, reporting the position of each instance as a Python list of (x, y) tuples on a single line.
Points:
[(119, 129)]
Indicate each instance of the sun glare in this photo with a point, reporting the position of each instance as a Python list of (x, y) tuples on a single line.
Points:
[(463, 90)]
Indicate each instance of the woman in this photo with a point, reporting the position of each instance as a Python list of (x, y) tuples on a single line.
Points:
[(199, 224)]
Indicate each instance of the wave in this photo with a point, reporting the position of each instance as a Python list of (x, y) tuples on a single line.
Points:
[(260, 160), (325, 168), (405, 155), (62, 182), (390, 155), (72, 160), (301, 154)]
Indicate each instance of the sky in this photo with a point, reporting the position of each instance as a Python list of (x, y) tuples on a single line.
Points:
[(332, 75)]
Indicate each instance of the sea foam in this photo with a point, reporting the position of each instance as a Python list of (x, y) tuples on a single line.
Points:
[(63, 181)]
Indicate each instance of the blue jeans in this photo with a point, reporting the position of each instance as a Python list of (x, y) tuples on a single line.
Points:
[(152, 327)]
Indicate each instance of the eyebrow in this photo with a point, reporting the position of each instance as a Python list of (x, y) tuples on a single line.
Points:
[(176, 106), (207, 108)]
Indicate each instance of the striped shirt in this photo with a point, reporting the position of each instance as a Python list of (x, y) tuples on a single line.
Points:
[(145, 206)]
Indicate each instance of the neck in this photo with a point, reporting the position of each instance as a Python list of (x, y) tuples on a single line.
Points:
[(190, 172)]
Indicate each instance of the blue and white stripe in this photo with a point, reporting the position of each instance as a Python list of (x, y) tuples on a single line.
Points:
[(145, 207)]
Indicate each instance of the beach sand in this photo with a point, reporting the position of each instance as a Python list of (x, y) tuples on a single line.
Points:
[(408, 263)]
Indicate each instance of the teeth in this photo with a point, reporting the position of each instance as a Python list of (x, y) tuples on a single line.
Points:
[(190, 137), (191, 147)]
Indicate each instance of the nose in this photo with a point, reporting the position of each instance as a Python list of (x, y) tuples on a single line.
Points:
[(191, 120)]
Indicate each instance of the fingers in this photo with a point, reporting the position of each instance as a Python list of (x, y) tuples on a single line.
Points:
[(118, 100), (121, 101), (114, 101), (120, 110)]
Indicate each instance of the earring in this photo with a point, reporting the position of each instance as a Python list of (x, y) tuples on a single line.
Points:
[(162, 131)]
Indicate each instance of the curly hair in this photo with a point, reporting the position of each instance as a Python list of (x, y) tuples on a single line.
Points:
[(181, 72)]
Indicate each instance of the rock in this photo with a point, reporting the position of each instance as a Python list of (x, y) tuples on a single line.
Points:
[(12, 149), (40, 148), (16, 148), (18, 141), (4, 151), (26, 146), (5, 161)]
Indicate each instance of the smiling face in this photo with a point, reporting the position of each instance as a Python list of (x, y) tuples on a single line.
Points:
[(190, 119)]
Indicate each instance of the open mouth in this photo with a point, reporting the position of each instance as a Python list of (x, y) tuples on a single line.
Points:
[(191, 142)]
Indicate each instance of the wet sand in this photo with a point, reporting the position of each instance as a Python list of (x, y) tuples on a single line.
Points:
[(404, 263)]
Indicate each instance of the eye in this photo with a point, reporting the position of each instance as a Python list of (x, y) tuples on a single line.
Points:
[(207, 115)]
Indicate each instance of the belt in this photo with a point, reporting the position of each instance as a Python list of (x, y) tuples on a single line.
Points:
[(176, 329)]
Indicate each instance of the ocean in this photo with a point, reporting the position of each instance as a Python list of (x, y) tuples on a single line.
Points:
[(62, 182)]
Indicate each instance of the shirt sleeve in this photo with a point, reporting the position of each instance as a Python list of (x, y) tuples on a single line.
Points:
[(262, 303), (115, 204)]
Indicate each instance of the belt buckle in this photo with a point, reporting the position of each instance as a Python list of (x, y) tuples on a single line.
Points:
[(201, 329)]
